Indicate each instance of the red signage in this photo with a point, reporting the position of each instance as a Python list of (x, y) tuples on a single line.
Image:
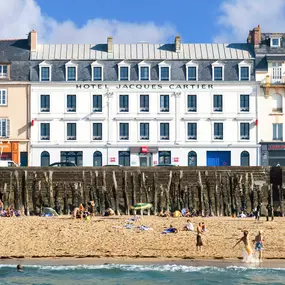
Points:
[(144, 149), (155, 162), (112, 159), (176, 159), (277, 146)]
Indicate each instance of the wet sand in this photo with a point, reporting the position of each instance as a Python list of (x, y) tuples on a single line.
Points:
[(103, 238)]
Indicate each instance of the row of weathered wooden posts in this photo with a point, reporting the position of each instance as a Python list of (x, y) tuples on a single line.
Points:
[(228, 194)]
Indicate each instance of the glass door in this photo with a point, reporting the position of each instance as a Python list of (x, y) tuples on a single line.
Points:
[(145, 159)]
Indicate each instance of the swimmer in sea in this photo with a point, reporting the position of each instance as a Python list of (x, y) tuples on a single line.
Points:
[(19, 268), (245, 240), (259, 244)]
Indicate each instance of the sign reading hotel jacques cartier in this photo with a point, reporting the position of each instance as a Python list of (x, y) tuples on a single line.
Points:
[(146, 86)]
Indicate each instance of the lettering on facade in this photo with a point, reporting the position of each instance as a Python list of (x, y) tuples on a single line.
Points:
[(146, 86), (276, 147)]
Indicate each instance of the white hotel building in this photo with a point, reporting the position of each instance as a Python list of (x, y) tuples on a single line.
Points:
[(143, 104)]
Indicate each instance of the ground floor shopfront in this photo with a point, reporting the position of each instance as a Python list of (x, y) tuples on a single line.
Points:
[(272, 153), (16, 151), (146, 156)]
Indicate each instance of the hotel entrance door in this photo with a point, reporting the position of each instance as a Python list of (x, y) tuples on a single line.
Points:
[(145, 159)]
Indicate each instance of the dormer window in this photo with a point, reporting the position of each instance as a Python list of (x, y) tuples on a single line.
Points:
[(71, 71), (144, 71), (244, 71), (3, 71), (191, 71), (218, 71), (45, 71), (164, 71), (275, 42), (124, 71), (97, 71)]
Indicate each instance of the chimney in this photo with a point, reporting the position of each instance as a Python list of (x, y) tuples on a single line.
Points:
[(254, 36), (33, 40), (177, 43), (110, 44)]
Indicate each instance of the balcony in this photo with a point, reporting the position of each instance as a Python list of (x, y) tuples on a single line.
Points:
[(272, 82)]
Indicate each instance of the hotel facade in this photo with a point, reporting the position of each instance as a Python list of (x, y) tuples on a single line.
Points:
[(143, 104)]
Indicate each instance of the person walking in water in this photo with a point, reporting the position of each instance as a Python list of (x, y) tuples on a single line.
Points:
[(199, 243), (259, 244), (245, 240)]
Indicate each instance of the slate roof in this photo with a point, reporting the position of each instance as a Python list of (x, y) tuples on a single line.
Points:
[(14, 50), (265, 48), (142, 51)]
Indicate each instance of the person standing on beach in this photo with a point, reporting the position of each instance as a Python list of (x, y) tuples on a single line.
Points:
[(199, 242), (259, 244), (245, 240)]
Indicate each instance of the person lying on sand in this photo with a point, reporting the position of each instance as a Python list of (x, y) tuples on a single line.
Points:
[(259, 244), (189, 226), (245, 240), (171, 229)]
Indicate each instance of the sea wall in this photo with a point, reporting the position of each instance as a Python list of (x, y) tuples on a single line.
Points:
[(209, 190)]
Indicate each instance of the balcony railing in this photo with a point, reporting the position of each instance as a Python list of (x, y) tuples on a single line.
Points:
[(270, 80)]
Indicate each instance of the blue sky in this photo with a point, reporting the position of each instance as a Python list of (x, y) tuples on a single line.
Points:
[(130, 21)]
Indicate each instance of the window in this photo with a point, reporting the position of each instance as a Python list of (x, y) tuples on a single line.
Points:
[(97, 158), (4, 128), (71, 73), (144, 131), (45, 159), (276, 72), (192, 131), (3, 97), (244, 73), (277, 132), (244, 131), (191, 73), (164, 73), (97, 73), (218, 103), (71, 132), (244, 159), (218, 71), (275, 42), (244, 103), (124, 73), (97, 131), (71, 103), (124, 103), (164, 157), (218, 131), (124, 131), (44, 73), (45, 132), (192, 103), (192, 158), (164, 131), (124, 158), (3, 71), (144, 103), (277, 103), (164, 103), (45, 103), (144, 72), (72, 156), (97, 103)]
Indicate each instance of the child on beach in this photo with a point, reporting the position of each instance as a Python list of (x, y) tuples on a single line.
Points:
[(199, 242), (259, 244), (245, 240)]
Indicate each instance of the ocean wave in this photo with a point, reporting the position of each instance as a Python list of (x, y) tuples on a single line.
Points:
[(135, 267)]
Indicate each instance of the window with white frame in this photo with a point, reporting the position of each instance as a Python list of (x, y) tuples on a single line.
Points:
[(192, 103), (97, 131), (124, 71), (3, 71), (217, 71), (164, 71), (71, 131), (164, 103), (275, 42), (97, 71), (71, 71), (218, 131), (144, 131), (244, 131), (144, 103), (45, 71), (3, 97), (244, 71), (277, 132), (71, 103), (164, 131), (45, 103), (192, 131), (144, 71), (276, 72), (124, 131), (191, 71), (97, 103), (4, 128), (45, 131), (244, 103), (124, 103), (218, 103), (277, 104)]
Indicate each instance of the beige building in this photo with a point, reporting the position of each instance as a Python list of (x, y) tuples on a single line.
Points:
[(14, 100)]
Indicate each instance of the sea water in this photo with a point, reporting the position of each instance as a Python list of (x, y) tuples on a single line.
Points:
[(120, 274)]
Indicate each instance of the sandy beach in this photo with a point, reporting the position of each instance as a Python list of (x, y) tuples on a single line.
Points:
[(105, 237)]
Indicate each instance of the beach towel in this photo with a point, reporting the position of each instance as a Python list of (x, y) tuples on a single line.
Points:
[(128, 226), (145, 228), (169, 231)]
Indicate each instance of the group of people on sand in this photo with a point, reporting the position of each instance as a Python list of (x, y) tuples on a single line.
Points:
[(82, 212), (258, 243), (9, 211)]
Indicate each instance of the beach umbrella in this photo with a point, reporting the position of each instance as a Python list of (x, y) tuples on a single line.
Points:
[(141, 206), (49, 211)]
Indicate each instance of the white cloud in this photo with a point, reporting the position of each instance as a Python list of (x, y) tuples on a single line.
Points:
[(18, 17), (239, 16)]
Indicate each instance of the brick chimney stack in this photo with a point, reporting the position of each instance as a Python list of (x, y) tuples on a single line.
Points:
[(254, 36), (32, 38), (110, 44), (177, 43)]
